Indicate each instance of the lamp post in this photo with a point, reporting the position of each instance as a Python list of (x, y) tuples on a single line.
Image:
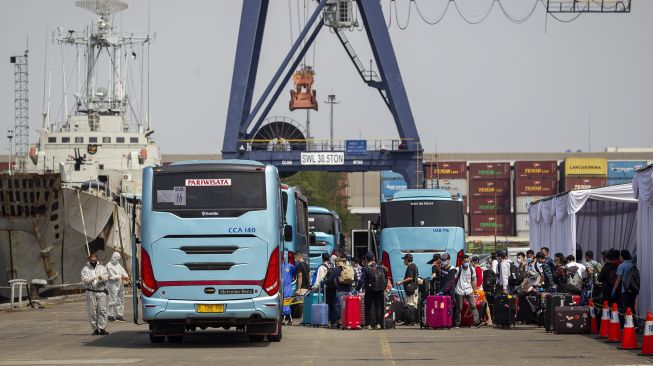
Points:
[(10, 136), (331, 99)]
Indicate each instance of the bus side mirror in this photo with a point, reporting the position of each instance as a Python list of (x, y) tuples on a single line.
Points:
[(287, 233), (311, 238)]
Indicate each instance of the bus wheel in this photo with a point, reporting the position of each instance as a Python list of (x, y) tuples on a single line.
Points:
[(278, 336), (156, 339), (175, 339), (256, 338)]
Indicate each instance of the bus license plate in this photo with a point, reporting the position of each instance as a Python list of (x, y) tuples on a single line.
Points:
[(210, 308)]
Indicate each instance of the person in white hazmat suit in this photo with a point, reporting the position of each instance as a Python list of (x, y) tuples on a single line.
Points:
[(117, 274), (94, 277)]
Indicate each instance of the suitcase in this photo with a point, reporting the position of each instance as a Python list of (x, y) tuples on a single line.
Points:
[(439, 311), (527, 308), (504, 310), (466, 314), (571, 320), (389, 317), (310, 299), (320, 313), (550, 302), (350, 316), (362, 307)]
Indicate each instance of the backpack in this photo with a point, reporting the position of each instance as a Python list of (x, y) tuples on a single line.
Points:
[(378, 280), (517, 275), (631, 281), (489, 280), (346, 275), (596, 269), (330, 278), (573, 278)]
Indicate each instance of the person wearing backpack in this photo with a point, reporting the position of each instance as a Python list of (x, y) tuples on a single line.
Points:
[(503, 275), (464, 290), (627, 283), (375, 282), (344, 280), (574, 272), (331, 294)]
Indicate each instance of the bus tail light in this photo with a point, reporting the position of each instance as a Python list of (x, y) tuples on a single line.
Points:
[(291, 258), (385, 260), (148, 282), (271, 281), (459, 258)]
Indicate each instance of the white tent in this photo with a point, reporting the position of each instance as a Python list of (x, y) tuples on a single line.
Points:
[(643, 191), (589, 219)]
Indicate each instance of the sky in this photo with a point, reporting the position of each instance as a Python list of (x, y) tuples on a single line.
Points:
[(496, 86)]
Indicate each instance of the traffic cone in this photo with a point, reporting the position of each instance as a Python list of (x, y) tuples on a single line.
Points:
[(593, 326), (605, 322), (614, 333), (629, 340), (647, 340)]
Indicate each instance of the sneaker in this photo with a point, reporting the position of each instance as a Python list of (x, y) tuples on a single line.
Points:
[(369, 327), (478, 324), (103, 332), (289, 322), (111, 319), (120, 319), (95, 332), (456, 327), (378, 327)]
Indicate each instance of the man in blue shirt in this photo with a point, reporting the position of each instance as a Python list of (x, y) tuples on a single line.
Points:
[(627, 298), (288, 278)]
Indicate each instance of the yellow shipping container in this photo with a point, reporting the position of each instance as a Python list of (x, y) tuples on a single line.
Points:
[(586, 166)]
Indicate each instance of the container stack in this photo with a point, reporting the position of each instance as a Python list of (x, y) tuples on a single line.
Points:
[(622, 172), (584, 173), (489, 197), (391, 182), (534, 180), (449, 175)]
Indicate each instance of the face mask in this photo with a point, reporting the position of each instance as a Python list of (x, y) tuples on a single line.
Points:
[(519, 260), (93, 263), (445, 263), (528, 260), (465, 265)]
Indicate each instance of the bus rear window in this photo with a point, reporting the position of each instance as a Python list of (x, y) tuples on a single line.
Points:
[(209, 194), (422, 214)]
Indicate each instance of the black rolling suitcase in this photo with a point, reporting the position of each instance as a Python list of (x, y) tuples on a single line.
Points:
[(389, 314), (504, 310), (571, 320), (550, 303), (527, 311)]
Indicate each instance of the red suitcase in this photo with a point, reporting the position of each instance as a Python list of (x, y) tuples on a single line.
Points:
[(350, 316), (439, 311), (467, 317)]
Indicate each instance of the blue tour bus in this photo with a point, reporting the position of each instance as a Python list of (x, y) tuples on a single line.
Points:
[(326, 226), (295, 211), (421, 222), (212, 234)]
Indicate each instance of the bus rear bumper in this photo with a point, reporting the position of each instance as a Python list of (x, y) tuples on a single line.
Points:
[(260, 315)]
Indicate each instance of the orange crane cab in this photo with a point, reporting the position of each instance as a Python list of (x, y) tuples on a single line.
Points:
[(303, 96)]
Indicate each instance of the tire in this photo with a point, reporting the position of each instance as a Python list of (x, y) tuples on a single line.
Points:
[(256, 338), (175, 339), (156, 339), (278, 336)]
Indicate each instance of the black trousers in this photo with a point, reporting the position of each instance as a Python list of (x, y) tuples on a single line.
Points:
[(374, 307), (627, 301)]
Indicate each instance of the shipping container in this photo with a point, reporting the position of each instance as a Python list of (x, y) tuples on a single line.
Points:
[(489, 187), (522, 222), (489, 170), (445, 169), (586, 167), (521, 203), (490, 224), (624, 169), (536, 186), (489, 205), (454, 186), (536, 169), (390, 186), (617, 181), (389, 174), (574, 183)]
